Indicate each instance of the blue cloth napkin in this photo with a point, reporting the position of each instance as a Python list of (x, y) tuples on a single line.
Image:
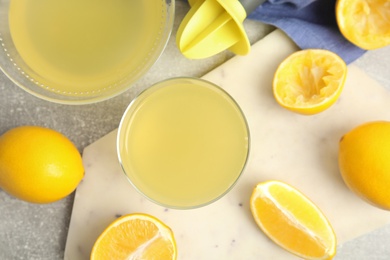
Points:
[(309, 23)]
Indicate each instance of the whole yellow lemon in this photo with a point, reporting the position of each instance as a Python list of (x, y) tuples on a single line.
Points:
[(364, 162), (38, 164)]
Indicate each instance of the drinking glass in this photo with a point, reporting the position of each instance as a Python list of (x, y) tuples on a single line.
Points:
[(183, 142)]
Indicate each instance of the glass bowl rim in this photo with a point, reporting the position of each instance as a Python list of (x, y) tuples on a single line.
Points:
[(23, 82)]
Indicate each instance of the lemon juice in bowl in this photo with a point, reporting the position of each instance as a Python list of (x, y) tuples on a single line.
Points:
[(85, 49), (183, 143)]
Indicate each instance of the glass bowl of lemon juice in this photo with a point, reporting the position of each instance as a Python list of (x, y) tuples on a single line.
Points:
[(81, 51), (183, 143)]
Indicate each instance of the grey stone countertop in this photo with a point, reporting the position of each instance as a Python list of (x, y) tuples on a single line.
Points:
[(31, 231)]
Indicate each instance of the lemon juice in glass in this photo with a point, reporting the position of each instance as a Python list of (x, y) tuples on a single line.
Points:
[(183, 143), (81, 51)]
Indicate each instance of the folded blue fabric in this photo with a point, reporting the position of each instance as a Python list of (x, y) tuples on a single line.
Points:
[(309, 23)]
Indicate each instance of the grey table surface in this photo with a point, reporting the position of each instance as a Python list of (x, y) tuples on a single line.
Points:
[(31, 231)]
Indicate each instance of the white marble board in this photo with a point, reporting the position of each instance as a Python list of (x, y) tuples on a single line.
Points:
[(300, 150)]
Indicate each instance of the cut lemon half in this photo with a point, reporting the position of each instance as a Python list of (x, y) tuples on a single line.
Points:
[(365, 23), (309, 81), (292, 221), (135, 236)]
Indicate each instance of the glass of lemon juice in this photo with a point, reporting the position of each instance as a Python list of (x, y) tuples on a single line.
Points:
[(81, 51), (183, 142)]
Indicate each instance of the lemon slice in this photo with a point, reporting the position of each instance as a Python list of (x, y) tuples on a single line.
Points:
[(135, 236), (292, 221), (365, 23), (309, 81)]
